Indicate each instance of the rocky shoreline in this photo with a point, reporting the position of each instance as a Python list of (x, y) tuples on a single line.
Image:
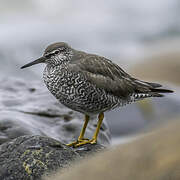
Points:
[(27, 108), (34, 129), (31, 157)]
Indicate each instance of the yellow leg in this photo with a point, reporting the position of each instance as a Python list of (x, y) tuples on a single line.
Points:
[(81, 136), (94, 139)]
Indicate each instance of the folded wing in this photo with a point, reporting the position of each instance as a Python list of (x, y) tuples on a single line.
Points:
[(103, 73)]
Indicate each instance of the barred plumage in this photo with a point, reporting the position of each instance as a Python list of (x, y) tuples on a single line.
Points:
[(74, 90), (90, 84)]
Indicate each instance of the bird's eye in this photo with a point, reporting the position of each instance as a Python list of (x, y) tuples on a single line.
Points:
[(56, 52)]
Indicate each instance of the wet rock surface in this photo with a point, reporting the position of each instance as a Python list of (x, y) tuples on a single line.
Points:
[(31, 157), (28, 108)]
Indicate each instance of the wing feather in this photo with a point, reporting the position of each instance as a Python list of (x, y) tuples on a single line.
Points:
[(105, 74)]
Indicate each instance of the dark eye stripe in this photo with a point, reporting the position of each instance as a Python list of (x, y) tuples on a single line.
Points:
[(51, 53), (47, 55), (56, 52)]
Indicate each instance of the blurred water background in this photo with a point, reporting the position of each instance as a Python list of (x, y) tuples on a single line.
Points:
[(126, 31), (117, 29)]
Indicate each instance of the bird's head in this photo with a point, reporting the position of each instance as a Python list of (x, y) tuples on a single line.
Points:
[(55, 54)]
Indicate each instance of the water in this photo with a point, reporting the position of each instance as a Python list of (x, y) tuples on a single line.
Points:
[(117, 29)]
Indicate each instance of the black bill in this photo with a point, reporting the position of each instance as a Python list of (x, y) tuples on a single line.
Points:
[(37, 61)]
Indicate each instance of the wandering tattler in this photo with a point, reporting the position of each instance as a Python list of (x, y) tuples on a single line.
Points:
[(90, 84)]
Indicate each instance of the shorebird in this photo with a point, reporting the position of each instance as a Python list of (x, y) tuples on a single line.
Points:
[(90, 84)]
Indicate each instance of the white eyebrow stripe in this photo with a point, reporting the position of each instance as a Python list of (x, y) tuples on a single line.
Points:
[(51, 53)]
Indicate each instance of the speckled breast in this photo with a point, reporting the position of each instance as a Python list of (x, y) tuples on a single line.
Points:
[(74, 91)]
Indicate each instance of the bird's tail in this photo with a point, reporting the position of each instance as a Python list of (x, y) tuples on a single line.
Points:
[(150, 89), (158, 92)]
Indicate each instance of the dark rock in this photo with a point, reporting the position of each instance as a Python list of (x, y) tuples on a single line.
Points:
[(28, 108), (30, 157)]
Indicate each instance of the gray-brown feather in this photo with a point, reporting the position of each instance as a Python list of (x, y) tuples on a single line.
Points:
[(105, 74)]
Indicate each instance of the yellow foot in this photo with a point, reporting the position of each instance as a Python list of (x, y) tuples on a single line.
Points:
[(77, 142), (81, 142), (92, 141)]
